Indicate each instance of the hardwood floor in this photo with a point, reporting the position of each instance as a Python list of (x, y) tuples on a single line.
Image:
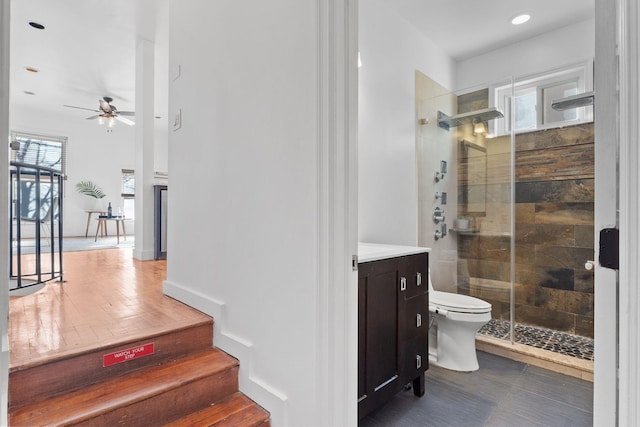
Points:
[(105, 295), (503, 393)]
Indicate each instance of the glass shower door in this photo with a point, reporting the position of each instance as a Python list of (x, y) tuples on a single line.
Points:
[(474, 256)]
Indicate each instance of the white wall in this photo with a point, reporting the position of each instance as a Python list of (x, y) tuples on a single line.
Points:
[(391, 51), (245, 203), (568, 45), (92, 154)]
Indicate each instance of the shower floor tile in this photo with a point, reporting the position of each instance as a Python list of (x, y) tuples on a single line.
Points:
[(547, 339)]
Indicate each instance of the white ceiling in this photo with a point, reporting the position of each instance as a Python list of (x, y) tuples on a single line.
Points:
[(466, 28), (85, 52), (87, 49)]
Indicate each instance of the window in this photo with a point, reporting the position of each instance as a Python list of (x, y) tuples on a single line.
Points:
[(128, 193), (43, 151), (40, 150), (533, 97)]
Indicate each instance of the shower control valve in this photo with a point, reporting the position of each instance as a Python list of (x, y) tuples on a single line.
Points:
[(438, 215)]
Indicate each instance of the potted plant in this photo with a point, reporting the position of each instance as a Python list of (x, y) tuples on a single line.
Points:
[(90, 189)]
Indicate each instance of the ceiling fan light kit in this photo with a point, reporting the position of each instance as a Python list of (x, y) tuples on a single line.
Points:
[(108, 113)]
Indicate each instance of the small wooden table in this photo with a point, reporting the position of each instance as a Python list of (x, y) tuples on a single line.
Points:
[(119, 220)]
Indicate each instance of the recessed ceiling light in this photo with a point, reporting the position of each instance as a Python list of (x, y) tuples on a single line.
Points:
[(36, 25), (29, 92), (520, 18), (31, 69)]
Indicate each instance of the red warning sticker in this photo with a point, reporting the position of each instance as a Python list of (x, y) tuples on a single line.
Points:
[(127, 354)]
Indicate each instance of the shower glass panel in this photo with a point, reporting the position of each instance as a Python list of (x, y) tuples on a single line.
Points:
[(474, 257), (554, 216)]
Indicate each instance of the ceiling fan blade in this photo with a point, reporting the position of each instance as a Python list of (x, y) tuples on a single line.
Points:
[(81, 108), (126, 113), (93, 117), (125, 121)]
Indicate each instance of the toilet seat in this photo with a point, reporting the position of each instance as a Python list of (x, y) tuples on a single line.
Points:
[(458, 303)]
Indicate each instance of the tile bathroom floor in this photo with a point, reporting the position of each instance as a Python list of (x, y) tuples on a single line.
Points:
[(546, 339), (502, 392)]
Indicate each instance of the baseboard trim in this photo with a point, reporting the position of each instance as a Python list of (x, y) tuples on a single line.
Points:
[(143, 255), (264, 394)]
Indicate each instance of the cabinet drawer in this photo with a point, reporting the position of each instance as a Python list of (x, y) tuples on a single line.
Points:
[(415, 358), (413, 271), (414, 318)]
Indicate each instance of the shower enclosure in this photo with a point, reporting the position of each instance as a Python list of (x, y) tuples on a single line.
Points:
[(518, 212)]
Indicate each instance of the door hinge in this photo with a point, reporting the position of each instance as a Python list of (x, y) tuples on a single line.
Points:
[(354, 262), (609, 255)]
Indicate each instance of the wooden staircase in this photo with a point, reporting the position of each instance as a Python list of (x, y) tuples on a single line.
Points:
[(174, 378)]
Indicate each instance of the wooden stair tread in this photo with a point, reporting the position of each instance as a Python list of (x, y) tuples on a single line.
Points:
[(108, 344), (97, 399), (235, 410)]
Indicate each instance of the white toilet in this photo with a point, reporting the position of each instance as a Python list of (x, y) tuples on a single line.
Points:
[(452, 333)]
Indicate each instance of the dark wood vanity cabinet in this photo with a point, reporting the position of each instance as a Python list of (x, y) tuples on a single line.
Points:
[(393, 328)]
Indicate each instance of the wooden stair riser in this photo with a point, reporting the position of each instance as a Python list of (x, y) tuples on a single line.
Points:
[(150, 396), (235, 410), (170, 405), (57, 377)]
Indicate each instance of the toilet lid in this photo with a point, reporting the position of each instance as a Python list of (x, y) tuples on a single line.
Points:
[(458, 303)]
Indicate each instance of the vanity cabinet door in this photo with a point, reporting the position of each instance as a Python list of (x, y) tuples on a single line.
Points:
[(378, 334)]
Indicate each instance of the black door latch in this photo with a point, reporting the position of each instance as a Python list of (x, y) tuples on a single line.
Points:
[(609, 248)]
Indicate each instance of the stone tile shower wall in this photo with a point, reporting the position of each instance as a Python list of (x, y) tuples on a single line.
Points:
[(554, 211)]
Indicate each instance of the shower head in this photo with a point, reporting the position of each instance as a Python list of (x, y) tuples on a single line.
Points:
[(575, 101)]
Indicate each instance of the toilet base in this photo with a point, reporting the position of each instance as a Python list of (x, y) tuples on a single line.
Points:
[(452, 341)]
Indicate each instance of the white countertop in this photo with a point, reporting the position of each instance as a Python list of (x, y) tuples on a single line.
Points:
[(374, 251)]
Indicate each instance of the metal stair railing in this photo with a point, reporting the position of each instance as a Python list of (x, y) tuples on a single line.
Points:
[(36, 198)]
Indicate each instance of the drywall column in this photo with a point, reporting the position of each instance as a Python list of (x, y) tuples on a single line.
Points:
[(144, 149), (4, 209)]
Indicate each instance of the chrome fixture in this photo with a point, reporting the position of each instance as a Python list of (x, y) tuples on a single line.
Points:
[(575, 101), (438, 215), (446, 122)]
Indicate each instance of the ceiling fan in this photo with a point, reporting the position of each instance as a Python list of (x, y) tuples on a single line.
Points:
[(108, 112)]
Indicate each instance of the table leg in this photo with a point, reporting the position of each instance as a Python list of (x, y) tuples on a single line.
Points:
[(98, 228), (124, 232), (86, 233), (118, 231)]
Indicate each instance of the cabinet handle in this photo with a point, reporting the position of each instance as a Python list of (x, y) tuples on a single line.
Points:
[(403, 283), (418, 279), (418, 361), (418, 320)]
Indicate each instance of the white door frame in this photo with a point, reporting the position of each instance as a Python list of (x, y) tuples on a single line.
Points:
[(338, 216), (606, 131), (4, 209), (628, 390)]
